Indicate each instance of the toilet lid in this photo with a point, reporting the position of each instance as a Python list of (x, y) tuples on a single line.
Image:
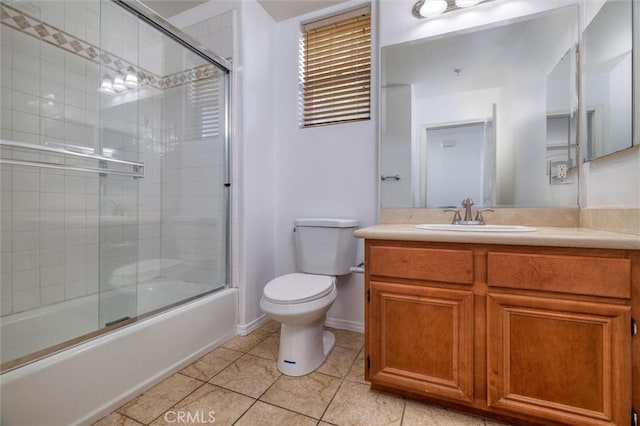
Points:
[(298, 288)]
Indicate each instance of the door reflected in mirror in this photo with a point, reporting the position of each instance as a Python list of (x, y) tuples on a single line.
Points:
[(495, 81)]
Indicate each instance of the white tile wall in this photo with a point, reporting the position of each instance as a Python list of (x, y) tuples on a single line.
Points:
[(48, 248)]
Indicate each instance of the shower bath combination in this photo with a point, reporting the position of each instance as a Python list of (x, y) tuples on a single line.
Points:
[(114, 168)]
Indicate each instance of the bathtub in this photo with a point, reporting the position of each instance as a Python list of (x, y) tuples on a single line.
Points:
[(85, 382), (24, 333)]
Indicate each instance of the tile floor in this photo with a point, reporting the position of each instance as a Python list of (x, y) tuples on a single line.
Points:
[(239, 384)]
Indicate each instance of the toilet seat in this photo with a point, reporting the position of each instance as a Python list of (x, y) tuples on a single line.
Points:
[(298, 288)]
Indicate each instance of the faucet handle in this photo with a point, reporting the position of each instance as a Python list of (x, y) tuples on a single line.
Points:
[(456, 216), (479, 217)]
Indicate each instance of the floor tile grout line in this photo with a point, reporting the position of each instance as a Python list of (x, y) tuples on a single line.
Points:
[(331, 400), (289, 409), (124, 415), (342, 380), (404, 408), (277, 406), (245, 411)]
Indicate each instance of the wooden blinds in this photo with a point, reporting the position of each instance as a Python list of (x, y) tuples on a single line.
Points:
[(335, 72)]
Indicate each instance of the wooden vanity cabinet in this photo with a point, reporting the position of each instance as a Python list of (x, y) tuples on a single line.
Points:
[(534, 334), (420, 311), (422, 338)]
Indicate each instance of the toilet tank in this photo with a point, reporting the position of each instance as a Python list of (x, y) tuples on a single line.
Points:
[(325, 246)]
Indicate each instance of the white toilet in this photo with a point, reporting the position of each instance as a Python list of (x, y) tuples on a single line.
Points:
[(300, 301)]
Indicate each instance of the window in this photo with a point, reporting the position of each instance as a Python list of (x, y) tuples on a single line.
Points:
[(335, 71)]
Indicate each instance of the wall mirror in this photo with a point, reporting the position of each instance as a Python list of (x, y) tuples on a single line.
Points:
[(487, 113), (608, 86)]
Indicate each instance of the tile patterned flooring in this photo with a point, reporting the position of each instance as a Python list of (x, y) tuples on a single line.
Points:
[(239, 384)]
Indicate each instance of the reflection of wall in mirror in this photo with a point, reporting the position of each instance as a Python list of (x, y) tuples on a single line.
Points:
[(608, 86), (396, 149), (544, 43), (608, 94)]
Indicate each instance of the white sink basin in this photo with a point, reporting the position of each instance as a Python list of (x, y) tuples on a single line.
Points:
[(475, 228)]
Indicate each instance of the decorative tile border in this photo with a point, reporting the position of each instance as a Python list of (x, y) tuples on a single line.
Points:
[(36, 28)]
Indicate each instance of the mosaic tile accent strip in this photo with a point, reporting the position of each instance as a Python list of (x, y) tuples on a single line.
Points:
[(36, 28), (198, 73)]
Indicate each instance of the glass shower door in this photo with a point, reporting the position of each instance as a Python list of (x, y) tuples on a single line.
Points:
[(163, 238)]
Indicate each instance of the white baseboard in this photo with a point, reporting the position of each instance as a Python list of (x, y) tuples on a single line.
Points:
[(358, 327), (340, 324), (244, 329)]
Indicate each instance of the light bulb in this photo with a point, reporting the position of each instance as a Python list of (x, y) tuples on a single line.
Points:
[(467, 3), (107, 85), (433, 8), (131, 80), (118, 83)]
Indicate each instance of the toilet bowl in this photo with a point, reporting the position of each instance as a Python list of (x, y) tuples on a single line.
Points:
[(300, 301)]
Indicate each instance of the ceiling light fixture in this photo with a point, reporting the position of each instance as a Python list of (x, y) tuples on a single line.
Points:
[(429, 8), (432, 8)]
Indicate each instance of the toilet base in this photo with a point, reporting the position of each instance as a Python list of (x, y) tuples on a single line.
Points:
[(303, 348)]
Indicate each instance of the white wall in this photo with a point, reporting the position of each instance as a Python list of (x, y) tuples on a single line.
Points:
[(323, 171), (612, 181), (256, 154)]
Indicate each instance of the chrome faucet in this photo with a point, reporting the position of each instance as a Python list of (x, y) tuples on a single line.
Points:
[(466, 204), (468, 214)]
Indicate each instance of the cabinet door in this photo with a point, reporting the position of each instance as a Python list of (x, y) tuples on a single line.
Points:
[(421, 339), (560, 360)]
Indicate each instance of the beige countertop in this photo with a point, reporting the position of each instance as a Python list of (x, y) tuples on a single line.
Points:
[(544, 236)]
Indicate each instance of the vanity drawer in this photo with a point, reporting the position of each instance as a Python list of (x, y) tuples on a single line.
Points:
[(452, 266), (586, 275)]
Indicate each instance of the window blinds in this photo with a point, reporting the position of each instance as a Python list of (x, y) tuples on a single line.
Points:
[(335, 71)]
